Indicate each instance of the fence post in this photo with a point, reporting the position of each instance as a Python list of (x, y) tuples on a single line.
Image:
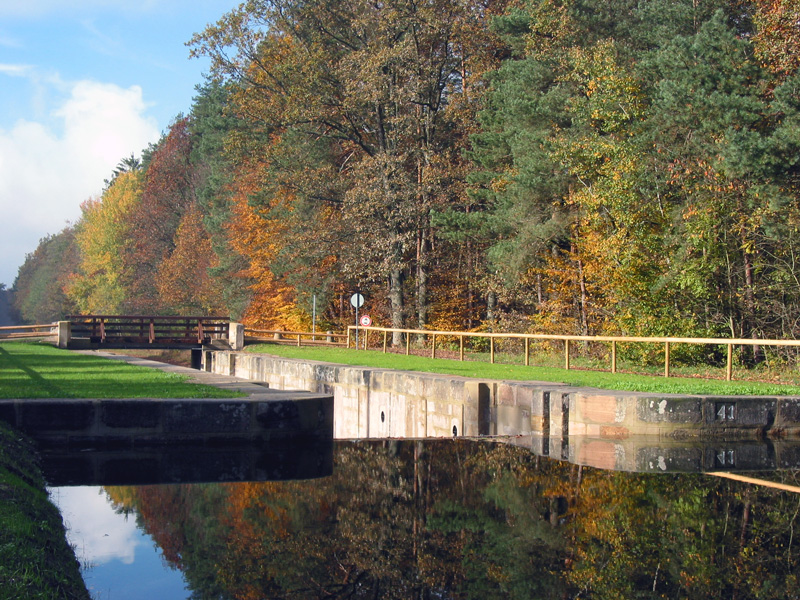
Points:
[(366, 339), (491, 350), (298, 340), (433, 345), (666, 359), (729, 365), (566, 354), (461, 347), (385, 335), (348, 338), (408, 343), (527, 352)]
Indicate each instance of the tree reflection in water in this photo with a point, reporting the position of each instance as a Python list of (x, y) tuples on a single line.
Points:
[(463, 519)]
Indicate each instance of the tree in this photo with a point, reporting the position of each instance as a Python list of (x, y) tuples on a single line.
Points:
[(364, 91), (167, 194), (184, 282), (38, 291), (103, 236)]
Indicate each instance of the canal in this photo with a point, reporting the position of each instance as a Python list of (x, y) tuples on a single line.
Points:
[(436, 518)]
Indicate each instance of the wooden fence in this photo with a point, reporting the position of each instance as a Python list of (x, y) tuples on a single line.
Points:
[(567, 340), (327, 338), (27, 331)]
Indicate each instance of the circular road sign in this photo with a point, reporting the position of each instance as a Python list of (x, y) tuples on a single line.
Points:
[(357, 300), (366, 321)]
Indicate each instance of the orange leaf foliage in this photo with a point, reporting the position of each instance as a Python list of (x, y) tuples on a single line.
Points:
[(183, 279)]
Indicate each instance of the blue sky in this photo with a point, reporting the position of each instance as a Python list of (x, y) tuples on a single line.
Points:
[(83, 84)]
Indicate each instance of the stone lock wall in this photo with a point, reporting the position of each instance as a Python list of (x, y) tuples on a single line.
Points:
[(385, 403)]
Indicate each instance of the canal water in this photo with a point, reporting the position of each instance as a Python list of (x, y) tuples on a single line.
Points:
[(447, 518)]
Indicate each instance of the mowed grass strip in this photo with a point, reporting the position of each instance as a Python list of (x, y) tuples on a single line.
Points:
[(482, 370), (29, 370)]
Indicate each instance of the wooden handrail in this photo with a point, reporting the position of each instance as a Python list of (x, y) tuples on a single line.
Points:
[(27, 327), (613, 340), (319, 334), (13, 332)]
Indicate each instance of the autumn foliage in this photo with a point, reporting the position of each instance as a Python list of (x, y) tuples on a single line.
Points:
[(566, 167)]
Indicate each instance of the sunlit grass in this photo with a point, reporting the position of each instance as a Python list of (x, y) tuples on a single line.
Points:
[(485, 370), (42, 371)]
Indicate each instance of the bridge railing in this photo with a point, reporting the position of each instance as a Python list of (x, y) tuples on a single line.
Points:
[(567, 340), (15, 332), (141, 329)]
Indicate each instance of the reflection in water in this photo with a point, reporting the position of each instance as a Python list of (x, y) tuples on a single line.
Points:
[(177, 464), (118, 560), (465, 519)]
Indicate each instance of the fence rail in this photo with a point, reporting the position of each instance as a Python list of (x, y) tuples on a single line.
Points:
[(26, 331), (281, 336), (668, 343)]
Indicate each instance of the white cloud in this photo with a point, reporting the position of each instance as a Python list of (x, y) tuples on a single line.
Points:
[(47, 171), (18, 70), (97, 532)]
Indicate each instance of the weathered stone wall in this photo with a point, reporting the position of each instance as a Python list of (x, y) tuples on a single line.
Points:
[(269, 417), (378, 403)]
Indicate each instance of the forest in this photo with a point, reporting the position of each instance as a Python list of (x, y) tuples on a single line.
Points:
[(546, 166)]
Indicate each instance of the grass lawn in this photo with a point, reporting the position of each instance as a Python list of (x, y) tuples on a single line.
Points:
[(36, 561), (483, 370), (31, 370)]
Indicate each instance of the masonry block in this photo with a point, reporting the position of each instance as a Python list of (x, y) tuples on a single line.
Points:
[(788, 412), (669, 410), (278, 415), (207, 416), (58, 415), (131, 413)]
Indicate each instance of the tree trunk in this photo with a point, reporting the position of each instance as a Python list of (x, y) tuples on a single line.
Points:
[(396, 300), (539, 297), (422, 281), (745, 522), (584, 319), (750, 303), (491, 306)]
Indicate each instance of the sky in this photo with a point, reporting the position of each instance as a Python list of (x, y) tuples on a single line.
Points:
[(84, 84)]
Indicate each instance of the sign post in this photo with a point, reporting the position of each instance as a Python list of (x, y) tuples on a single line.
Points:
[(357, 300)]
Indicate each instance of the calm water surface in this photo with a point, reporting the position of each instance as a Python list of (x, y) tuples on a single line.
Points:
[(441, 519)]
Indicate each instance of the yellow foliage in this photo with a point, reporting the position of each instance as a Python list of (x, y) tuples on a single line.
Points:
[(102, 237)]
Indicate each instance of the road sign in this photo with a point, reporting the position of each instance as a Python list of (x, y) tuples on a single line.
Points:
[(357, 300), (366, 321)]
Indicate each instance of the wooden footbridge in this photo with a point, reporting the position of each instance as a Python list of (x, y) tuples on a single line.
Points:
[(147, 331)]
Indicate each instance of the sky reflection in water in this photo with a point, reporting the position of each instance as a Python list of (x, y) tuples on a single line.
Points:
[(118, 560)]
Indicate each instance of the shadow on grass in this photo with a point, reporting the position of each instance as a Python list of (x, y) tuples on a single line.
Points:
[(40, 371), (52, 390)]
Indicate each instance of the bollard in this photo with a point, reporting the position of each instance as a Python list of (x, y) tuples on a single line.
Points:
[(64, 333)]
